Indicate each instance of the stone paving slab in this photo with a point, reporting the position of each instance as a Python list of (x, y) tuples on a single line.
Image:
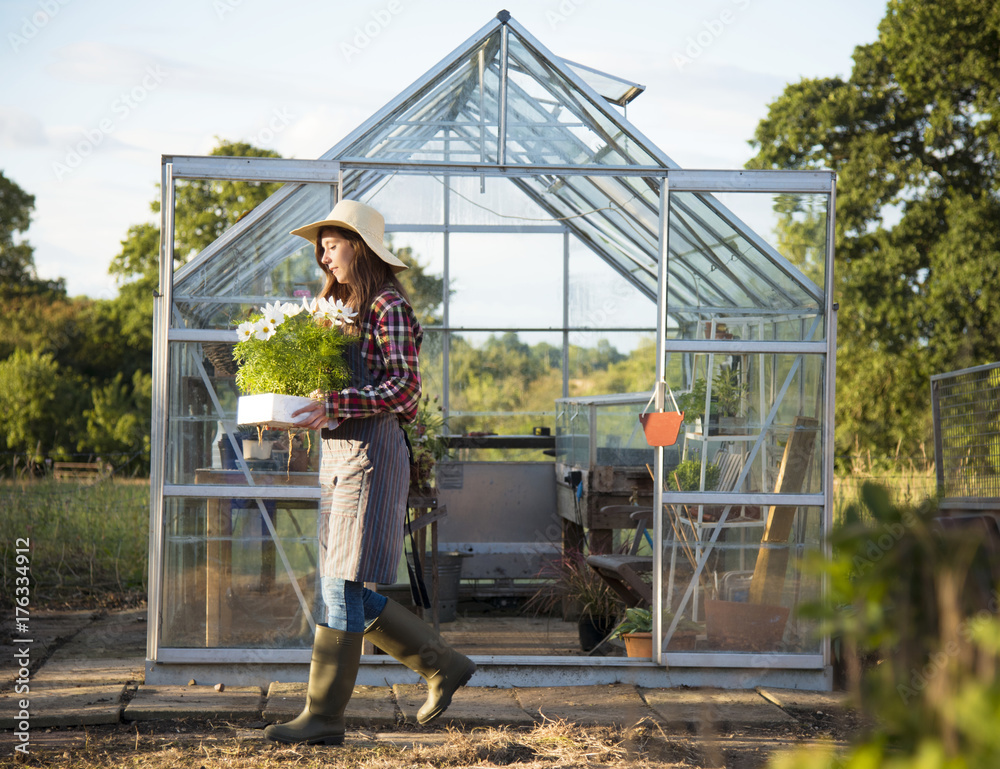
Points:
[(807, 702), (156, 702), (121, 634), (79, 672), (369, 706), (614, 704), (717, 708), (471, 706), (64, 706)]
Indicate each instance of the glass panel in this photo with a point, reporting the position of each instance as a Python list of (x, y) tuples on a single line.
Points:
[(224, 584), (611, 362), (600, 298), (549, 121), (757, 404), (452, 119), (254, 263), (487, 200), (747, 593), (506, 280), (616, 217), (406, 200), (758, 254), (504, 384), (612, 88), (198, 447)]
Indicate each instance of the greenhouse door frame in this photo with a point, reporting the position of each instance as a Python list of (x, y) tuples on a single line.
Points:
[(260, 666)]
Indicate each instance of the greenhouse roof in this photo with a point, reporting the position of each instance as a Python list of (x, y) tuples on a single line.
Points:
[(502, 104)]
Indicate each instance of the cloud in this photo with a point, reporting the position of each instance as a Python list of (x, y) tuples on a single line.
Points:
[(100, 63), (20, 130)]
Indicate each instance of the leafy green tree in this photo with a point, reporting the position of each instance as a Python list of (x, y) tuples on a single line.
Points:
[(40, 405), (914, 136), (17, 257), (118, 419)]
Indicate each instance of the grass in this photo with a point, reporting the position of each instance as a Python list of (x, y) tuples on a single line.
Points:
[(89, 542)]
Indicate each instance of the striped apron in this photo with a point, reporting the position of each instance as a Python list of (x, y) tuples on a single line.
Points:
[(364, 478)]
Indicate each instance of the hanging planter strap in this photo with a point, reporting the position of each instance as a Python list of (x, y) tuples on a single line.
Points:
[(661, 427)]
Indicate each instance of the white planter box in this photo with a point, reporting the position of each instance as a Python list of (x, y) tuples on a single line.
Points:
[(269, 409)]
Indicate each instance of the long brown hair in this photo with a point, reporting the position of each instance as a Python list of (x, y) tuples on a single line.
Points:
[(368, 274)]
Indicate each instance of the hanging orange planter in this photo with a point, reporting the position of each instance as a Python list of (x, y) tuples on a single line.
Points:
[(661, 427)]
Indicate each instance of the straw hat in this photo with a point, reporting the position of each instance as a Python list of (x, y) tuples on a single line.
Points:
[(359, 218)]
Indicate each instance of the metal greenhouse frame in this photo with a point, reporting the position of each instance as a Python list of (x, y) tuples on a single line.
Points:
[(504, 139)]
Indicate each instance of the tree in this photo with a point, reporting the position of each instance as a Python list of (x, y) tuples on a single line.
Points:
[(914, 136), (17, 257), (39, 405)]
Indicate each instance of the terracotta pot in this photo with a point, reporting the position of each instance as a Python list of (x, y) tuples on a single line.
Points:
[(638, 645)]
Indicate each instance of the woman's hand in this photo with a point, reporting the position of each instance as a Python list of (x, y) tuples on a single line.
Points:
[(314, 415)]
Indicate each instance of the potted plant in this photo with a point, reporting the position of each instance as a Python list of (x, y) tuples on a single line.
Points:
[(692, 403), (574, 590), (428, 443), (688, 475), (286, 352), (636, 630), (730, 392)]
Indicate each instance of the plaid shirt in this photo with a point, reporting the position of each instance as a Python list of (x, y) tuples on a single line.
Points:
[(390, 344)]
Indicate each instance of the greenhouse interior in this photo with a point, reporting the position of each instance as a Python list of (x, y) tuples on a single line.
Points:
[(569, 278)]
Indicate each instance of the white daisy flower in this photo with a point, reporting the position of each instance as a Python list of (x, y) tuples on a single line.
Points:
[(290, 309), (264, 328), (245, 331)]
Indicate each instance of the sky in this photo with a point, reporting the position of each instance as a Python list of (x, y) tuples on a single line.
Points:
[(94, 92)]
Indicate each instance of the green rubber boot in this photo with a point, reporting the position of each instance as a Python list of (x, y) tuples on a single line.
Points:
[(336, 656), (413, 642)]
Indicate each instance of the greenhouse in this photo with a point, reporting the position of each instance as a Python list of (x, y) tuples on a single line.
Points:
[(572, 278)]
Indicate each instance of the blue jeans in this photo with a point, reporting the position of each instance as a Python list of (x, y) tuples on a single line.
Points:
[(350, 606)]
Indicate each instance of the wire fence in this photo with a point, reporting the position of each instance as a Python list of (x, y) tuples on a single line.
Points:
[(966, 409)]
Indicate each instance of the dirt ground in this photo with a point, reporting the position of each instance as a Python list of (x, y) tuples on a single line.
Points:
[(197, 744)]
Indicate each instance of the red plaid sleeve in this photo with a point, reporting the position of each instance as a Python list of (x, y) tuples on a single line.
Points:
[(390, 349)]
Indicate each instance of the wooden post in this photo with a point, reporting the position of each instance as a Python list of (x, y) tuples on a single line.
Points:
[(772, 563)]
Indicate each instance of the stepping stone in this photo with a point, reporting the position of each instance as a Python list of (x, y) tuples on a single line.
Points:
[(614, 704), (716, 708), (155, 702), (471, 706), (369, 705), (63, 706), (89, 672)]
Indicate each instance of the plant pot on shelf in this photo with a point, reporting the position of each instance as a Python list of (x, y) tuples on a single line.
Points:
[(269, 409), (732, 426)]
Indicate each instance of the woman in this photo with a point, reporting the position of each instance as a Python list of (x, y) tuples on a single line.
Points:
[(364, 476)]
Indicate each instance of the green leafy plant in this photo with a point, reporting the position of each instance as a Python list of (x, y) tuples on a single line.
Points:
[(688, 475), (729, 392), (640, 620), (427, 439), (290, 349), (692, 403)]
